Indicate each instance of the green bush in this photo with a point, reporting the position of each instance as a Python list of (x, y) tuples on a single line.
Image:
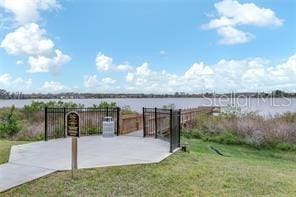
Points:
[(92, 131), (226, 138), (9, 124), (193, 133), (126, 110), (197, 133), (36, 106), (288, 117), (38, 137), (105, 104), (285, 146), (169, 106)]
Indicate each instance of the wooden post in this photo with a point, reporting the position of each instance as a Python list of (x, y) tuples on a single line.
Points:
[(73, 130), (74, 157)]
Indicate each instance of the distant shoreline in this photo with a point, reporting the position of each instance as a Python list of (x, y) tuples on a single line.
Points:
[(217, 96), (73, 95)]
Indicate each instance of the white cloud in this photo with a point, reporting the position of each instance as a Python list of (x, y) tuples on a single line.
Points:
[(11, 84), (27, 40), (143, 70), (124, 67), (30, 40), (5, 79), (198, 69), (232, 14), (108, 81), (103, 62), (53, 86), (92, 82), (46, 64), (231, 35), (251, 74), (27, 11), (130, 77), (19, 62)]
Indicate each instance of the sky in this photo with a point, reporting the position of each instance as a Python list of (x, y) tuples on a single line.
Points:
[(148, 46)]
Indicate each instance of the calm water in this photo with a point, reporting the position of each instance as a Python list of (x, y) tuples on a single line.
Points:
[(262, 106)]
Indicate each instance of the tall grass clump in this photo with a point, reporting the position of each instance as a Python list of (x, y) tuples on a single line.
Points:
[(246, 128)]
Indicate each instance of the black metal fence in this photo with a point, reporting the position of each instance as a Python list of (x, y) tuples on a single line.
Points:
[(91, 121), (164, 124)]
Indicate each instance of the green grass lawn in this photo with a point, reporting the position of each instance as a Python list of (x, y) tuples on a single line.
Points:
[(244, 172), (5, 146)]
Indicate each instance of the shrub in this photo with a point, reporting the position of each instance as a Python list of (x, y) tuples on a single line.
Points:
[(169, 106), (127, 110), (92, 131), (31, 131), (105, 104), (285, 146), (226, 138), (288, 117), (9, 124), (193, 133)]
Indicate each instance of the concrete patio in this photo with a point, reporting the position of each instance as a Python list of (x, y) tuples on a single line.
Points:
[(34, 160)]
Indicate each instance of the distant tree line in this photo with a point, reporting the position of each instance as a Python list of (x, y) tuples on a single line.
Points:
[(11, 95), (72, 95)]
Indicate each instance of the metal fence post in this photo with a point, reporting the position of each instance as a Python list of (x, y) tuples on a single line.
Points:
[(45, 124), (144, 123), (118, 120), (65, 135), (171, 130), (155, 121)]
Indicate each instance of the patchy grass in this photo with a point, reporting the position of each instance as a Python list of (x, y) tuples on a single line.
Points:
[(244, 171), (5, 146)]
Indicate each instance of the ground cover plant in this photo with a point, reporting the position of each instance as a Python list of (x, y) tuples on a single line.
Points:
[(243, 171)]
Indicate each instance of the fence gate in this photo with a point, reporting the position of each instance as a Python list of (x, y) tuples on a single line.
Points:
[(91, 121), (164, 124)]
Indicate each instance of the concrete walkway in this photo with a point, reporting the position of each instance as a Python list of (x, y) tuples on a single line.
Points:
[(138, 133), (34, 160)]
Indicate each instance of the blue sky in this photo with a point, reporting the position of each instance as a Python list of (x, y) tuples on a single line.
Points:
[(147, 46)]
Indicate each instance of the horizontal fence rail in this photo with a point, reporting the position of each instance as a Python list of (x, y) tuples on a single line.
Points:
[(91, 121), (189, 115)]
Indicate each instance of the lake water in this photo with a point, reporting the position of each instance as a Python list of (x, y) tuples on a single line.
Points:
[(263, 106)]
